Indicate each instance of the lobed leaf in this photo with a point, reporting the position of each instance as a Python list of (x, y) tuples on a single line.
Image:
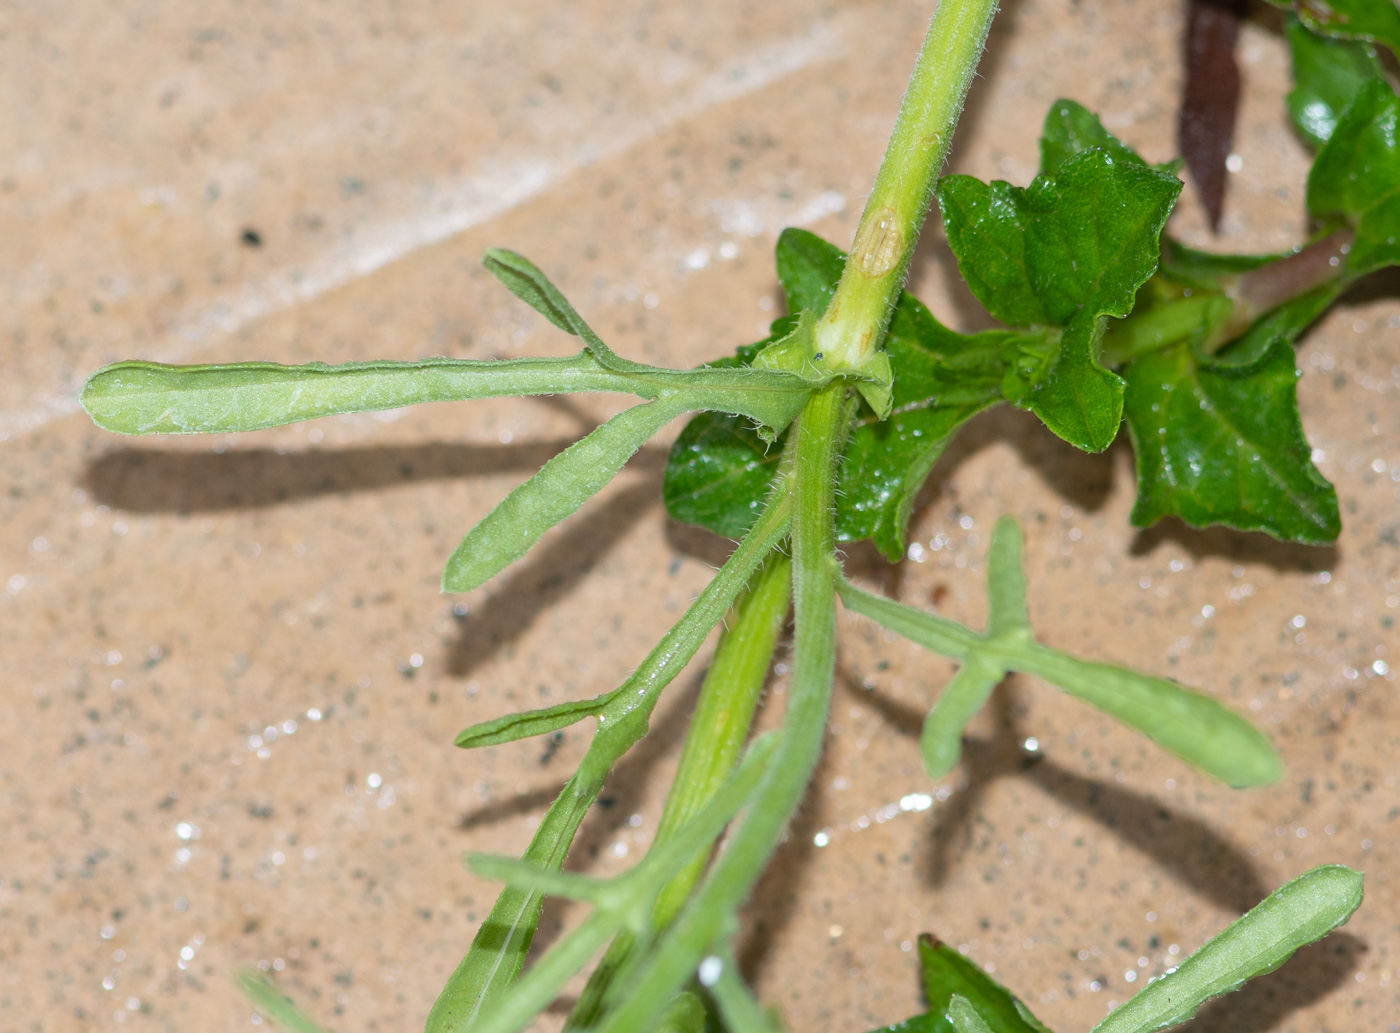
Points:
[(1328, 73), (1296, 914), (1067, 252), (1220, 443), (562, 485), (1356, 177)]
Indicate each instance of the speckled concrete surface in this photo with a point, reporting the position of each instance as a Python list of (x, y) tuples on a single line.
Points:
[(230, 683)]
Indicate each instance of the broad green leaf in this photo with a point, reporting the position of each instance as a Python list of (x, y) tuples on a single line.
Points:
[(272, 1003), (530, 723), (563, 484), (1357, 177), (718, 473), (941, 740), (948, 975), (1224, 444), (1070, 129), (1304, 910), (1375, 20), (719, 468), (965, 1018), (1067, 252), (1327, 75), (153, 398)]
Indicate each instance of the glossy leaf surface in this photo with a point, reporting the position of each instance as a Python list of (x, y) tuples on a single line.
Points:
[(1357, 177), (1224, 444), (1376, 20), (1327, 75), (1068, 251)]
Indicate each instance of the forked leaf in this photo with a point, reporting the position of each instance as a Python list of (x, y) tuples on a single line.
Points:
[(1192, 726), (1224, 444), (153, 398), (1327, 75), (1357, 176), (530, 723), (941, 740), (1296, 914), (562, 485)]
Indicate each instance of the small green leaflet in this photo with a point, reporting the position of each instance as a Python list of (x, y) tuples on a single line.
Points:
[(1327, 75), (1356, 177), (720, 469), (1375, 20), (1224, 444), (1296, 914), (946, 975), (1064, 253)]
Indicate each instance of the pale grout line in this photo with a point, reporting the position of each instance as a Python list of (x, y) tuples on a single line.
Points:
[(473, 201)]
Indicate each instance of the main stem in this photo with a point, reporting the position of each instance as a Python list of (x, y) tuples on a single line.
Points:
[(708, 917), (854, 323)]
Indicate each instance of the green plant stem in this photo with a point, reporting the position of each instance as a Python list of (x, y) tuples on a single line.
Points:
[(710, 915), (498, 950), (721, 722), (854, 323)]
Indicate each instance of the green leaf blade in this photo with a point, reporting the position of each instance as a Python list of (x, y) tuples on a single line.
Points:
[(153, 398), (1225, 445), (987, 226), (1327, 76), (511, 727), (1194, 727), (1304, 910), (718, 473), (1071, 129), (1375, 20), (940, 743), (1077, 399), (1357, 177), (562, 485)]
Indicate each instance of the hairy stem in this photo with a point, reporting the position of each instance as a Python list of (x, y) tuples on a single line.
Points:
[(711, 914), (855, 321), (721, 722)]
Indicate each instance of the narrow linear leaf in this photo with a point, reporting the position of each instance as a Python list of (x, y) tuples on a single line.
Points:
[(497, 953), (521, 874), (153, 398), (525, 280), (1192, 726), (563, 484), (1006, 581), (1224, 444), (530, 723), (1296, 914), (936, 634), (941, 740), (1327, 75), (273, 1004)]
